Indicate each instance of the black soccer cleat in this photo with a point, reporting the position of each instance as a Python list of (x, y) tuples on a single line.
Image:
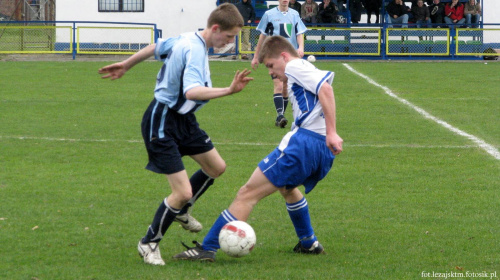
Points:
[(281, 121), (316, 249), (196, 253)]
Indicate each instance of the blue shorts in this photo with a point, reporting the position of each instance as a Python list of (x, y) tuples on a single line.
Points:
[(169, 136), (304, 160)]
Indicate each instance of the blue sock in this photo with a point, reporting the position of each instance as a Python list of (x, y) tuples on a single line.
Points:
[(211, 241), (299, 214)]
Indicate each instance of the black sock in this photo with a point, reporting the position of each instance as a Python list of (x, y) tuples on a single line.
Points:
[(199, 184), (164, 217), (285, 104), (278, 103)]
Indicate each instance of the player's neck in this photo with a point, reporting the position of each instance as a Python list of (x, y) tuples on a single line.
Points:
[(283, 9), (205, 34)]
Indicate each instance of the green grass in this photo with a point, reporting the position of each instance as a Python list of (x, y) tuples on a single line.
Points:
[(405, 196)]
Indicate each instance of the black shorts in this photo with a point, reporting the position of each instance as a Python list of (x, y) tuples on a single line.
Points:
[(169, 136)]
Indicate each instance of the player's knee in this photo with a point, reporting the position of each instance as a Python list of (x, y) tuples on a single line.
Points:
[(245, 195), (217, 171), (183, 196)]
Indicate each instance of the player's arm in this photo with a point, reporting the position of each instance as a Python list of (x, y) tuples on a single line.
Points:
[(117, 70), (284, 92), (255, 60), (300, 41), (327, 100), (239, 82)]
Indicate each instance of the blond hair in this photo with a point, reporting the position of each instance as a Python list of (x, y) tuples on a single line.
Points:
[(226, 16), (273, 46)]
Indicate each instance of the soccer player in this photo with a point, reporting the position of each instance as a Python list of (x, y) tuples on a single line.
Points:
[(285, 22), (304, 156), (169, 126)]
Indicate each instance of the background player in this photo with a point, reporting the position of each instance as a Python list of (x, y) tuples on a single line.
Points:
[(285, 22), (169, 125), (304, 156)]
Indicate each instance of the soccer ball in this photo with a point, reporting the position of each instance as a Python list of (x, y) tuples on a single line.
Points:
[(237, 239), (311, 58)]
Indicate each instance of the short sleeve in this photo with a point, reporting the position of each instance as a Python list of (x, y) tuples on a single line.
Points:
[(194, 72), (164, 47), (263, 24)]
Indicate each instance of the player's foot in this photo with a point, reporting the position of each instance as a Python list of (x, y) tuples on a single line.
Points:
[(315, 249), (196, 253), (189, 223), (281, 121), (151, 253)]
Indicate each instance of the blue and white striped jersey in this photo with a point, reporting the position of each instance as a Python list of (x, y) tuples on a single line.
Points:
[(185, 66), (304, 82), (286, 24)]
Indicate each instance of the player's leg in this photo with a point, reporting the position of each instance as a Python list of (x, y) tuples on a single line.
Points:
[(298, 210), (170, 206), (164, 158), (165, 215), (257, 187), (279, 103), (212, 166)]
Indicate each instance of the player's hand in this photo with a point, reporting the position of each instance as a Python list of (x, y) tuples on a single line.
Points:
[(240, 80), (334, 143), (255, 63), (113, 71), (300, 51)]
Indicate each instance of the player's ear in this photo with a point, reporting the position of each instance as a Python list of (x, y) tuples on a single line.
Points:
[(215, 28), (284, 55)]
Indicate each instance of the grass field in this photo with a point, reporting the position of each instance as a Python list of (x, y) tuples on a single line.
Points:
[(407, 197)]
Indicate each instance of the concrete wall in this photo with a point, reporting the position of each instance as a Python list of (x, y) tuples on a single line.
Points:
[(172, 16), (491, 11)]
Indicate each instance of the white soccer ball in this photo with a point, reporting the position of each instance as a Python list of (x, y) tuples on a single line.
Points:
[(311, 58), (237, 239)]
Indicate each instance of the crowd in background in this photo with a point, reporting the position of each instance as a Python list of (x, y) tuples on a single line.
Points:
[(421, 13)]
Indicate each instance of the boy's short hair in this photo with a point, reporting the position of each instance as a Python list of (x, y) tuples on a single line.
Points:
[(273, 46), (226, 16)]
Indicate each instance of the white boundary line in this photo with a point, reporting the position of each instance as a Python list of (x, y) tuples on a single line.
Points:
[(490, 149), (243, 143)]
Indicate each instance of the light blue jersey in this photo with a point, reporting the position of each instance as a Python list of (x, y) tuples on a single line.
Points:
[(286, 24), (185, 66)]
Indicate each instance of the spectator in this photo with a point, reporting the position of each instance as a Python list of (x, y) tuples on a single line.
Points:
[(421, 14), (436, 10), (372, 6), (248, 13), (472, 12), (309, 11), (327, 12), (454, 13), (340, 5), (295, 5), (356, 9), (397, 12)]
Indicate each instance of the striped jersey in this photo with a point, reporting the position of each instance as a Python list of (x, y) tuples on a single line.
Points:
[(286, 24), (304, 82), (185, 66)]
